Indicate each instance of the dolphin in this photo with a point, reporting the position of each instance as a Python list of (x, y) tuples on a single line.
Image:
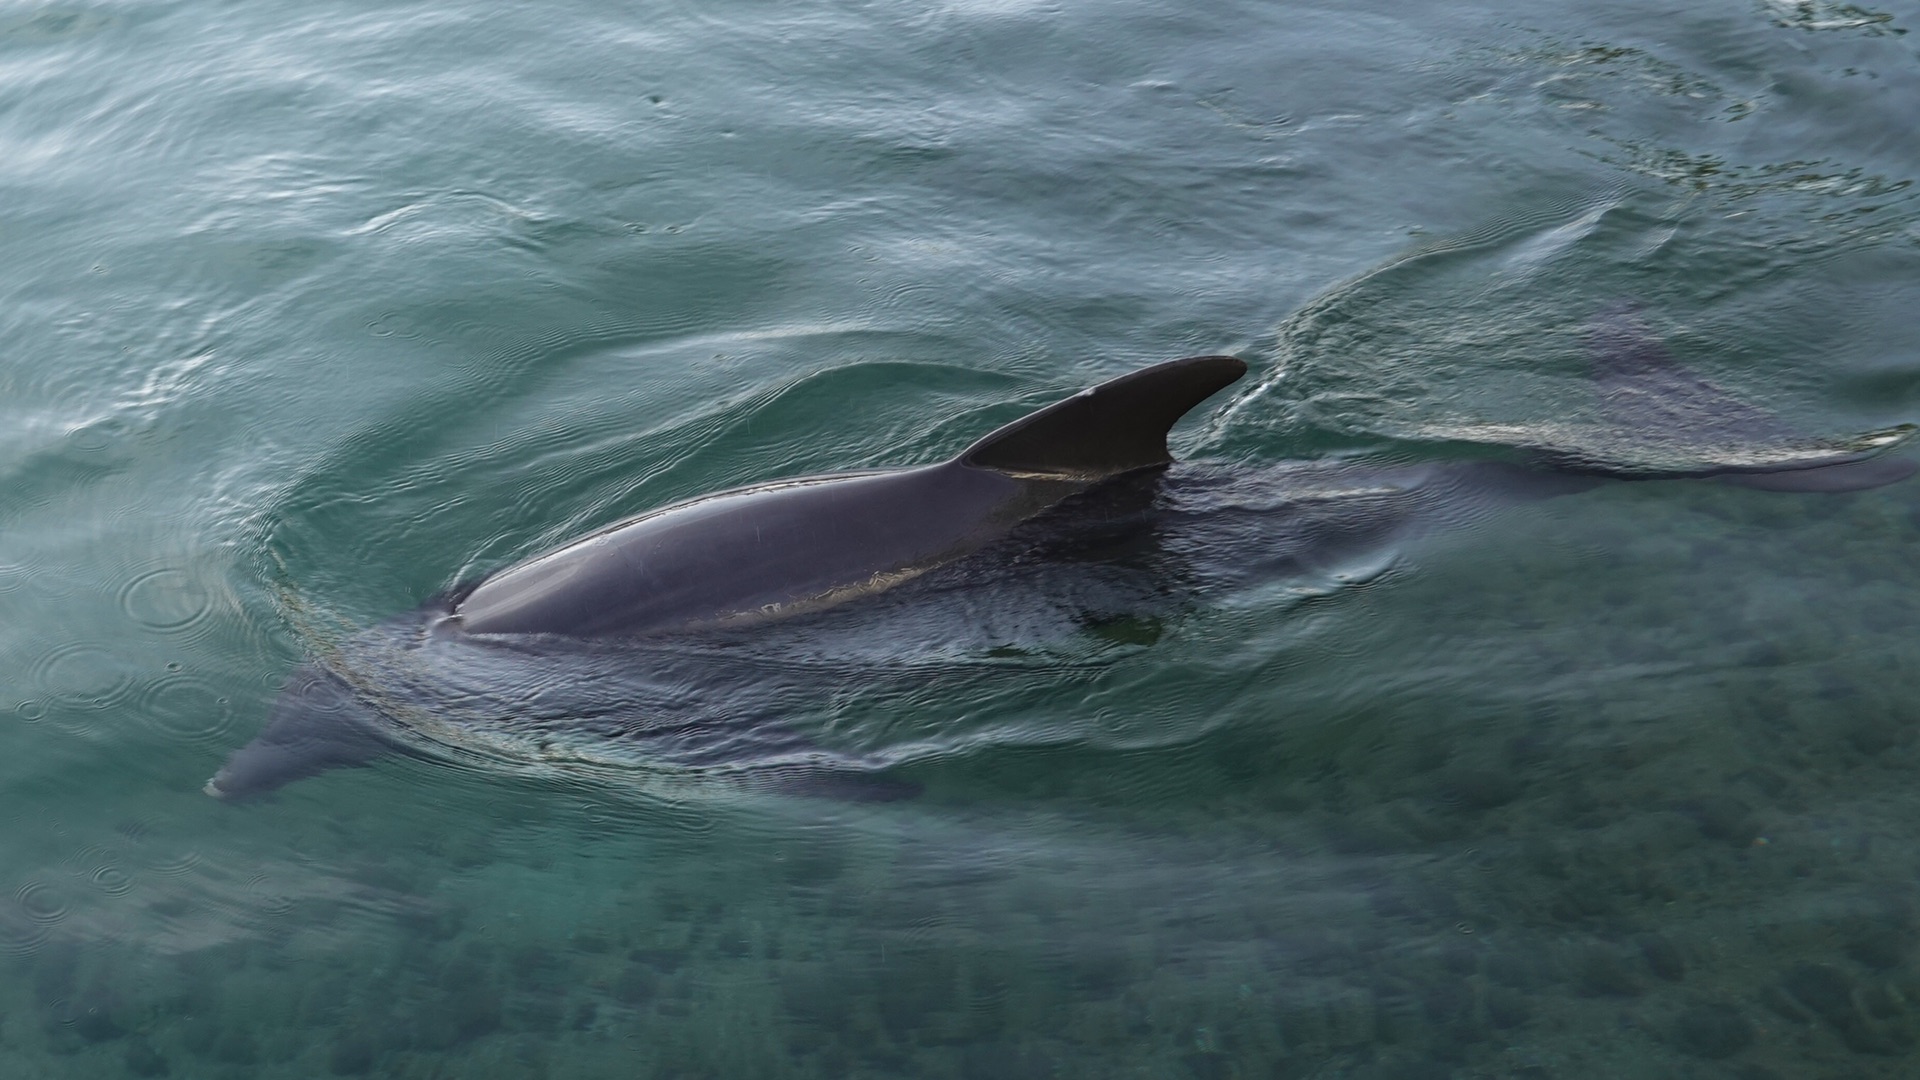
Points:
[(762, 553), (630, 635)]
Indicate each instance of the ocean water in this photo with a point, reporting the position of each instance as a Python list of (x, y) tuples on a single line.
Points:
[(312, 311)]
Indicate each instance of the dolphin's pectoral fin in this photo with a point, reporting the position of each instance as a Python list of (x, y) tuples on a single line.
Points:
[(318, 723), (1114, 428)]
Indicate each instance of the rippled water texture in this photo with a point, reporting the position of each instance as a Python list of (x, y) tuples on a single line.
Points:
[(314, 310)]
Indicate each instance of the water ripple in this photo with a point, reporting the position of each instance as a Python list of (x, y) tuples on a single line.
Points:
[(178, 866), (107, 874), (270, 900), (187, 707), (81, 674), (20, 933), (41, 902), (167, 600)]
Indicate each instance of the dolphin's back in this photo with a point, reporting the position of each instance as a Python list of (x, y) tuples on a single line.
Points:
[(800, 545), (760, 552)]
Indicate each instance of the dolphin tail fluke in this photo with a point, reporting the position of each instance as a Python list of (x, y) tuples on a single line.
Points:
[(1702, 431), (1117, 427), (1845, 476)]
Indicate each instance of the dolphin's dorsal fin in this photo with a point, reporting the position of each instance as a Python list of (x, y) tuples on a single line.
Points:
[(1116, 427)]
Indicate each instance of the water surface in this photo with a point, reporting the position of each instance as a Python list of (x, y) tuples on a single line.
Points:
[(314, 310)]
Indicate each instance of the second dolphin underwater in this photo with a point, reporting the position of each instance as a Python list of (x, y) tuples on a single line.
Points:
[(676, 635)]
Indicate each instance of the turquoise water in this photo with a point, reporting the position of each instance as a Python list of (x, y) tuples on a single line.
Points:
[(314, 310)]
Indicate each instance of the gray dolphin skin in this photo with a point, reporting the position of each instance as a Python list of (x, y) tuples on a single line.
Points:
[(612, 637)]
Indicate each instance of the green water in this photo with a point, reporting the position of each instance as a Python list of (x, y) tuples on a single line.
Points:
[(313, 310)]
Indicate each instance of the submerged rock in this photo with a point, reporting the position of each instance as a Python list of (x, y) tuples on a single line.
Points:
[(1662, 956), (1830, 994), (1823, 990), (1601, 971)]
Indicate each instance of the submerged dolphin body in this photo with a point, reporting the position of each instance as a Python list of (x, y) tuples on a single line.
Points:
[(630, 636), (763, 553)]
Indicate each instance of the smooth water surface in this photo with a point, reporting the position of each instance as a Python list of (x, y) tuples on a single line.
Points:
[(313, 310)]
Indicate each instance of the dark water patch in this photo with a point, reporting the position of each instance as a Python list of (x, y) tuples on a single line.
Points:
[(1713, 1030), (142, 1059), (52, 24)]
